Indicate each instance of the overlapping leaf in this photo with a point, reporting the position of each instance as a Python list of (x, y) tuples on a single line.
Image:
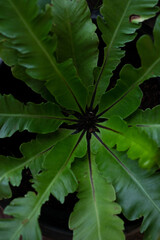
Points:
[(26, 211), (28, 33), (137, 190), (119, 101), (14, 116), (133, 140), (72, 25), (94, 217), (118, 26), (147, 120), (57, 179), (36, 85), (34, 154)]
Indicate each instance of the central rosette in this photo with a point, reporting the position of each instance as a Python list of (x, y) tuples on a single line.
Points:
[(88, 122)]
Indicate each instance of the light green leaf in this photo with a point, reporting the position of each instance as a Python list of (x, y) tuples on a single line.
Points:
[(72, 25), (137, 190), (118, 98), (147, 120), (34, 154), (15, 116), (131, 139), (28, 33), (118, 26), (94, 217)]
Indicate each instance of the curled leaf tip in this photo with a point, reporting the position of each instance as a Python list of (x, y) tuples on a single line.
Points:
[(137, 19)]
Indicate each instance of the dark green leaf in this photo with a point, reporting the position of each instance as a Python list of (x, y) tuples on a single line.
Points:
[(15, 116), (34, 154), (72, 25), (58, 178), (35, 50), (36, 85), (116, 100), (118, 26)]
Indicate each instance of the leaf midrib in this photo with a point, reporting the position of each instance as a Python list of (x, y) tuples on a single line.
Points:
[(95, 202), (42, 48), (130, 174), (35, 38), (112, 41), (148, 125), (19, 115), (133, 86), (71, 39), (40, 201), (42, 197), (25, 163)]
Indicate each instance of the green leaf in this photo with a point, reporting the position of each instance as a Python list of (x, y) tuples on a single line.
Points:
[(118, 26), (137, 190), (34, 154), (15, 116), (28, 33), (131, 139), (10, 170), (118, 98), (36, 85), (64, 179), (94, 217), (72, 25), (148, 120), (58, 177), (26, 211)]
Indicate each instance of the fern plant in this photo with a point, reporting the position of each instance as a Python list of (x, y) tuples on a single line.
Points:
[(89, 140)]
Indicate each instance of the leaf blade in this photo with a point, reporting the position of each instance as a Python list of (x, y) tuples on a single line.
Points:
[(27, 35), (125, 87), (137, 189), (137, 143), (72, 25), (17, 116), (93, 214), (118, 28)]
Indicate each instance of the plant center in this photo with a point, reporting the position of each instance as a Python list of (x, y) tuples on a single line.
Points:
[(86, 122)]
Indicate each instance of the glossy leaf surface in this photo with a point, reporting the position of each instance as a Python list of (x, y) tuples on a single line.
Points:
[(36, 85), (14, 116), (36, 46), (72, 25)]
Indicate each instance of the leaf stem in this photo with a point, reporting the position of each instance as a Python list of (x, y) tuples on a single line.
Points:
[(110, 129), (88, 136), (108, 149), (98, 80)]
